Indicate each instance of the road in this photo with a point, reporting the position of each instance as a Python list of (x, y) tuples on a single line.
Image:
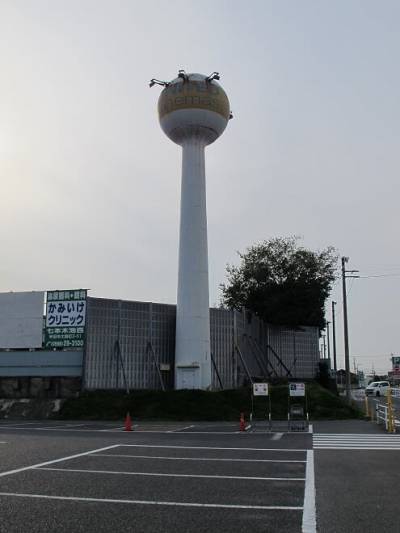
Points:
[(358, 396), (171, 477)]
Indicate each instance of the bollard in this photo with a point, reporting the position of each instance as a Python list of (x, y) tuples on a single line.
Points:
[(366, 407), (390, 415)]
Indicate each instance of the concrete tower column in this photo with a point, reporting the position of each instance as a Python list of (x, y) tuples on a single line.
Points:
[(192, 353)]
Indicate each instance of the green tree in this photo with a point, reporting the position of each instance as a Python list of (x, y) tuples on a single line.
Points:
[(282, 282)]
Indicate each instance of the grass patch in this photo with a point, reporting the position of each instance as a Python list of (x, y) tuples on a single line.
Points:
[(201, 405)]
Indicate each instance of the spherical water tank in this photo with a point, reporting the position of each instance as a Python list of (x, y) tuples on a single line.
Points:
[(193, 107)]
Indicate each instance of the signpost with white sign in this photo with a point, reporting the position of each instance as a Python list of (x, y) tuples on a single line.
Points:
[(259, 390), (297, 409), (297, 389), (65, 319)]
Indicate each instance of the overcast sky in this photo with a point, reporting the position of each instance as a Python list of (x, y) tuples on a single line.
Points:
[(91, 186)]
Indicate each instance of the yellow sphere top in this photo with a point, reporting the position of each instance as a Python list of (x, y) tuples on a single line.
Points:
[(193, 93)]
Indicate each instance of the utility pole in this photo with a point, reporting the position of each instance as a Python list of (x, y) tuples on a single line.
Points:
[(355, 369), (324, 345), (334, 336), (346, 327), (329, 344)]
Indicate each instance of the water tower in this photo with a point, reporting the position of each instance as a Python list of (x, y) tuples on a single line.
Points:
[(194, 111)]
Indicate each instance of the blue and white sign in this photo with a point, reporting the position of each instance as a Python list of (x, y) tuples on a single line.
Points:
[(297, 389)]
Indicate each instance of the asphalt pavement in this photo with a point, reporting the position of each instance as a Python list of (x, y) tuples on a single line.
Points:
[(157, 478), (183, 477)]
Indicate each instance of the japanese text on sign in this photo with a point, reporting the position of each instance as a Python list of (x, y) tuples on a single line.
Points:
[(65, 319), (66, 313)]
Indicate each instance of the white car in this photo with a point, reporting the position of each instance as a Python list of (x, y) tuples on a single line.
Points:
[(377, 388)]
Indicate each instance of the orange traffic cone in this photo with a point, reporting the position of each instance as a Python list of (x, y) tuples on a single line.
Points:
[(242, 425), (128, 422)]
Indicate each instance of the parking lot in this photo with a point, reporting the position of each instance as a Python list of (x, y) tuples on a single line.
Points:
[(93, 476), (170, 477)]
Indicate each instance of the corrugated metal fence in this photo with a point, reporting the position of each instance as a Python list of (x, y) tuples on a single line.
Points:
[(131, 345)]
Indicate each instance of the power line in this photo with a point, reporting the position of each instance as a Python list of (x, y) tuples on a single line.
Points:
[(349, 289), (376, 266), (380, 276)]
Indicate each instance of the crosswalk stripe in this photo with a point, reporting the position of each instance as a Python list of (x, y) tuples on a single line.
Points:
[(363, 435), (361, 445), (355, 441), (358, 437)]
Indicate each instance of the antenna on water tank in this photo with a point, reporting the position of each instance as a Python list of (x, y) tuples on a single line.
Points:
[(154, 81), (213, 76), (182, 74)]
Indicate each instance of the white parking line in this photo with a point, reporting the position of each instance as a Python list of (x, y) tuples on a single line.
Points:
[(309, 522), (52, 427), (154, 425), (139, 430), (156, 474), (210, 448), (16, 424), (232, 432), (41, 428), (154, 502), (277, 436), (113, 446), (63, 428), (46, 463), (180, 429), (165, 457), (119, 428)]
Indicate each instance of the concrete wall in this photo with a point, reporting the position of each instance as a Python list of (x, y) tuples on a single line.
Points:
[(39, 387), (41, 363)]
